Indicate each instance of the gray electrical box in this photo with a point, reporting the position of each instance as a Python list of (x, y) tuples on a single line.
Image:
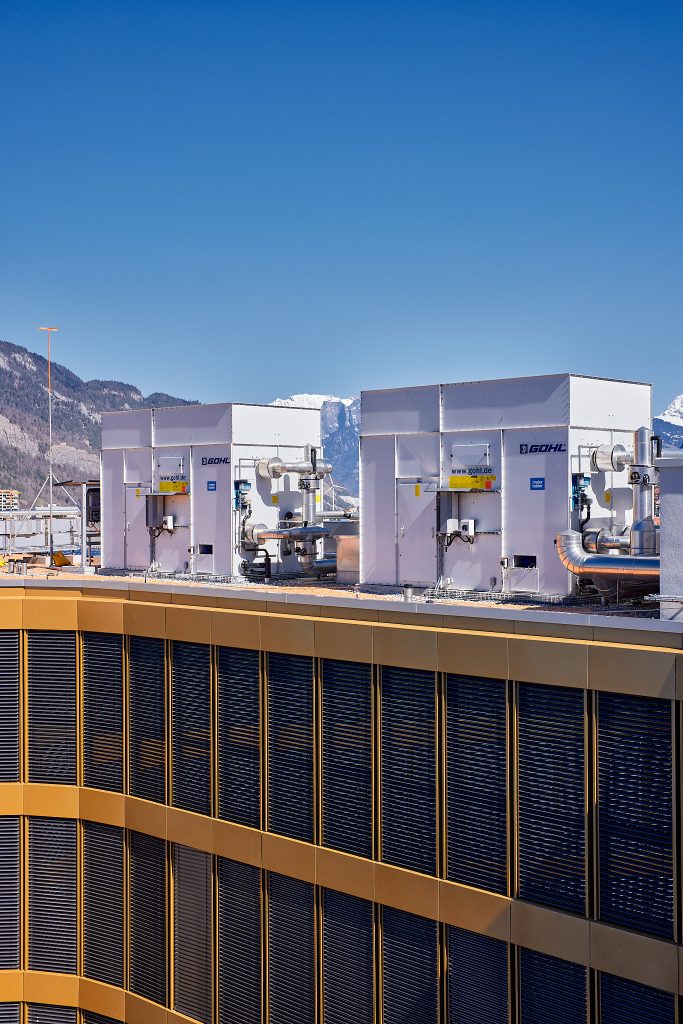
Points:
[(155, 511)]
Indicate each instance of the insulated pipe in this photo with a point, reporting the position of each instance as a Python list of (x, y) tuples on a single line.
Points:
[(571, 553), (273, 469), (302, 533)]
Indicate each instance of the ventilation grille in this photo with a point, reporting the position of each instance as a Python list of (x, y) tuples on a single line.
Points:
[(192, 914), (97, 1018), (410, 968), (347, 959), (52, 895), (192, 727), (238, 736), (147, 719), (626, 1002), (552, 845), (52, 707), (635, 812), (103, 902), (9, 1013), (148, 917), (291, 951), (477, 979), (9, 894), (347, 757), (477, 796), (9, 706), (551, 990), (103, 711), (409, 769), (38, 1014), (239, 943), (290, 746)]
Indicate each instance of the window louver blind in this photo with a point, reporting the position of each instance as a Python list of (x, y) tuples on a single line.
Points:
[(9, 1013), (148, 917), (38, 1014), (552, 844), (551, 990), (291, 951), (635, 812), (52, 707), (239, 753), (239, 943), (347, 757), (97, 1018), (9, 894), (290, 746), (103, 902), (192, 727), (9, 705), (626, 1002), (477, 793), (477, 978), (193, 914), (347, 959), (410, 968), (147, 719), (52, 895), (408, 777), (103, 711)]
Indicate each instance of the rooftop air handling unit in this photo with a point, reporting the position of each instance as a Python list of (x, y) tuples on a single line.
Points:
[(465, 487)]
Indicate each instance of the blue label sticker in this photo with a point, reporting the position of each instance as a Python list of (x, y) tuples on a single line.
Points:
[(537, 483), (211, 485)]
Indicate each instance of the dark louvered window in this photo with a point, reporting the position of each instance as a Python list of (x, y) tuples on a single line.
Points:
[(52, 895), (9, 894), (103, 711), (552, 843), (9, 1013), (477, 978), (290, 746), (239, 775), (635, 812), (551, 990), (52, 707), (291, 950), (9, 705), (347, 959), (408, 778), (239, 943), (409, 968), (627, 1002), (347, 757), (192, 915), (38, 1014), (103, 902), (147, 719), (477, 796), (192, 727), (97, 1018), (148, 917)]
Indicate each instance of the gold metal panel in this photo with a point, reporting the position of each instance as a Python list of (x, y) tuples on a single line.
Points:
[(679, 677), (140, 619), (395, 616), (142, 1011), (473, 654), (345, 641), (11, 986), (99, 616), (190, 624), (46, 801), (404, 647), (52, 989), (236, 842), (153, 594), (554, 662), (103, 999), (407, 890), (560, 630), (638, 957), (197, 600), (144, 816), (643, 637), (288, 857), (102, 806), (344, 872), (680, 970), (550, 931), (11, 798), (11, 611), (189, 829), (292, 608), (236, 629), (288, 634), (351, 609), (479, 911), (642, 671), (51, 612)]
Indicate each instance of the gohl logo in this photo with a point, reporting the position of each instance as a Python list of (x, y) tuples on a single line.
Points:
[(216, 462), (529, 449)]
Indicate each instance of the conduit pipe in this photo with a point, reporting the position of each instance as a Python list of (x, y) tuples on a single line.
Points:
[(606, 570)]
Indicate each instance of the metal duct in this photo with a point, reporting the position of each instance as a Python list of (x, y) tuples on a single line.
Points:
[(606, 570)]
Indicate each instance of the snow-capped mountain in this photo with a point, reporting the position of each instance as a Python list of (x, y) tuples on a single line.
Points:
[(340, 423), (669, 424)]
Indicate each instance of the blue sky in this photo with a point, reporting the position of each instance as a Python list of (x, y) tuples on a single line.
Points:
[(241, 200)]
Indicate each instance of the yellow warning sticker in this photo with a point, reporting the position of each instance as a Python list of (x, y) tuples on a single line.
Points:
[(173, 487), (418, 490), (275, 499), (469, 482)]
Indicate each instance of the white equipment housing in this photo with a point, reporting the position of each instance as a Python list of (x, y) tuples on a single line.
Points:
[(671, 512), (201, 463), (468, 484)]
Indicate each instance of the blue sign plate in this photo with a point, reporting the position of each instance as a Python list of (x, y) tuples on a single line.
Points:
[(211, 485), (537, 483)]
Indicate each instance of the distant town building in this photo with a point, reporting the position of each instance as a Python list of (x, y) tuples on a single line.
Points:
[(9, 500)]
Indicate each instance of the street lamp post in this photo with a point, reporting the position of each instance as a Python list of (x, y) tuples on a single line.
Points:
[(49, 419)]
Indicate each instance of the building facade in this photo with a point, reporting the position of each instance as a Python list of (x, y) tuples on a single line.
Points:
[(9, 500), (247, 808)]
